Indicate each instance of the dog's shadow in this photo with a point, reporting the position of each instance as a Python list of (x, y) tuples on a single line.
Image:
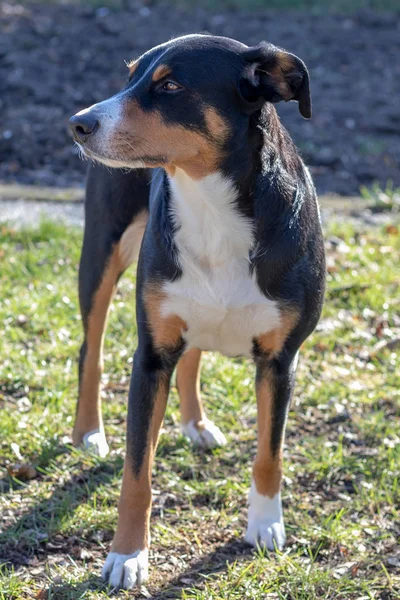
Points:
[(37, 530), (72, 591), (210, 564), (37, 533)]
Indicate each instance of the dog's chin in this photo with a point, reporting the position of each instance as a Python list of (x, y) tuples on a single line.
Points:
[(112, 162)]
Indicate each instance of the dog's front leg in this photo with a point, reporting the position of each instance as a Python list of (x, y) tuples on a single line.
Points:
[(127, 563), (274, 386)]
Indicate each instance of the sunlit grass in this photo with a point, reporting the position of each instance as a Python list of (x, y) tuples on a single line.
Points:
[(341, 489)]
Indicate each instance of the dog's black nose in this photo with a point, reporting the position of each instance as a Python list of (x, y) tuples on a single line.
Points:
[(82, 126)]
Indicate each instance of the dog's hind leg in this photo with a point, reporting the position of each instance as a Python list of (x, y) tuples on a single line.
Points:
[(95, 293), (195, 424), (110, 245)]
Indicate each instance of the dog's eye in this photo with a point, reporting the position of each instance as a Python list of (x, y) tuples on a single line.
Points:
[(170, 86)]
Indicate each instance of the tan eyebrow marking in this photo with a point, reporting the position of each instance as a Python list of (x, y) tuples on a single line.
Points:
[(160, 72), (132, 66)]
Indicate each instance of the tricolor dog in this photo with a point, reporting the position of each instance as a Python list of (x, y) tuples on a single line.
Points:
[(231, 260)]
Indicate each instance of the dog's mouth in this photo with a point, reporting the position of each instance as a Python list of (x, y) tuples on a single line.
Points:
[(120, 160), (84, 152)]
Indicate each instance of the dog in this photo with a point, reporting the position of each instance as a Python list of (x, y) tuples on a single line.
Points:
[(231, 260)]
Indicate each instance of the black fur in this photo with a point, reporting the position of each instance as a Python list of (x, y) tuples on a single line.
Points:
[(112, 203), (275, 190)]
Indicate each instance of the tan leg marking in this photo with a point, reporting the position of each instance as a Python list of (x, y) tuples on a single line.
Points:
[(166, 331), (134, 507), (267, 469), (88, 416), (272, 342), (195, 424), (131, 239), (188, 384)]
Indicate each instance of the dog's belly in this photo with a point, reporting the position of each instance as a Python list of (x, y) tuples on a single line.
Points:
[(222, 314)]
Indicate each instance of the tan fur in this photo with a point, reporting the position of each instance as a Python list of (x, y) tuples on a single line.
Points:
[(160, 72), (88, 417), (285, 61), (166, 331), (131, 239), (134, 507), (146, 133), (188, 384), (132, 66), (216, 124), (267, 469), (272, 342), (284, 65), (170, 170)]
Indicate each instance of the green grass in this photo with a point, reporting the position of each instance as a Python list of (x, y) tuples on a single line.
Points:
[(341, 489), (380, 200)]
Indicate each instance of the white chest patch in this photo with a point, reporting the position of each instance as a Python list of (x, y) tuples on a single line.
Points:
[(216, 296)]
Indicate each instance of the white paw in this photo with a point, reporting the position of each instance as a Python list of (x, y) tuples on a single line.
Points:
[(95, 441), (207, 435), (265, 525), (126, 570)]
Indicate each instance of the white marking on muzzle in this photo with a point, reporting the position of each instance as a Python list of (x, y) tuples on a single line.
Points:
[(100, 148)]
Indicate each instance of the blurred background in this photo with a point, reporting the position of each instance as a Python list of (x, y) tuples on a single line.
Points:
[(58, 57)]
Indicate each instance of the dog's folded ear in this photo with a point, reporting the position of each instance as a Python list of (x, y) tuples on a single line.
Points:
[(272, 75)]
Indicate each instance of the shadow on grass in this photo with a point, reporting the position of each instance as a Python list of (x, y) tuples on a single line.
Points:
[(74, 591), (36, 531), (36, 535), (210, 564), (213, 563)]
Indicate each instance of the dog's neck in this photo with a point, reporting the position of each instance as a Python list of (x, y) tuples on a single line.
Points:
[(262, 148), (215, 218), (208, 224)]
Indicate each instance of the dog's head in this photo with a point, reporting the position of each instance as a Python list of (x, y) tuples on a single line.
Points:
[(185, 100)]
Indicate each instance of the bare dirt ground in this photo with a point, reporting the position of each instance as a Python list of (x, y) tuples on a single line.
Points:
[(56, 59)]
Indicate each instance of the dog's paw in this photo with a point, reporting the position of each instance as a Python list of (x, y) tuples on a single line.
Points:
[(204, 434), (95, 442), (265, 527), (266, 533), (126, 570)]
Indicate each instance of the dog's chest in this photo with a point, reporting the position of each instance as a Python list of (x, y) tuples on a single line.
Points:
[(222, 308), (217, 297)]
